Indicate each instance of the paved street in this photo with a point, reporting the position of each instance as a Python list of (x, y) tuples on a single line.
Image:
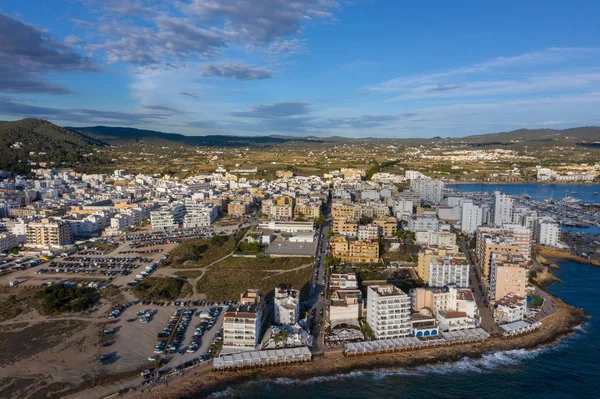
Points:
[(319, 286), (485, 313)]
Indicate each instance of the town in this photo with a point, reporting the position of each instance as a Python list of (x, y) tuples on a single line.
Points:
[(219, 271)]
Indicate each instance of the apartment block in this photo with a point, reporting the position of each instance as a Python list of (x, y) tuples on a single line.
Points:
[(347, 227), (368, 232), (345, 281), (237, 208), (286, 306), (509, 275), (49, 234), (242, 325), (388, 225), (388, 312), (280, 207), (354, 251), (427, 254), (449, 270), (509, 309), (345, 305), (451, 298), (168, 217)]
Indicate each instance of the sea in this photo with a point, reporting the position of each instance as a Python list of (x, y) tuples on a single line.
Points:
[(570, 369)]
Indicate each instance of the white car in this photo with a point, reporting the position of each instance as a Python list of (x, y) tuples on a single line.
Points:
[(153, 358), (146, 373)]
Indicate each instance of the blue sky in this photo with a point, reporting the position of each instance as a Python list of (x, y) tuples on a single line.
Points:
[(354, 68)]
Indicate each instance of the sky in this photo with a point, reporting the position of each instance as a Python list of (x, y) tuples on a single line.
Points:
[(353, 68)]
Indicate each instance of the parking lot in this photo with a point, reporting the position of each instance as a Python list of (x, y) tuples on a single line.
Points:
[(133, 344), (120, 266)]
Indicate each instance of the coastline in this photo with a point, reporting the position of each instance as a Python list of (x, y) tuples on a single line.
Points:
[(545, 183), (552, 256), (554, 327)]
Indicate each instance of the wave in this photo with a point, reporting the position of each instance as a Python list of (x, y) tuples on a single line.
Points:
[(487, 363)]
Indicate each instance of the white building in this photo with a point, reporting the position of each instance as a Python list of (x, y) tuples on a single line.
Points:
[(503, 208), (403, 208), (471, 218), (450, 298), (509, 309), (9, 241), (199, 214), (547, 232), (168, 217), (420, 223), (429, 190), (368, 232), (345, 305), (288, 227), (449, 270), (435, 238), (339, 281), (388, 312), (287, 306)]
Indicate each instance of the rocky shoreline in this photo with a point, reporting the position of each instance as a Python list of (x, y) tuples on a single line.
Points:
[(554, 327)]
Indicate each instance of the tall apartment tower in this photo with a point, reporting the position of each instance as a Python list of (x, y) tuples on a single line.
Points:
[(388, 311), (503, 208)]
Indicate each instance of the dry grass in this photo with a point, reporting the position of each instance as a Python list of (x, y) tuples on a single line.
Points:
[(261, 263), (222, 285)]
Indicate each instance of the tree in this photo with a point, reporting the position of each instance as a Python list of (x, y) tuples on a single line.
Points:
[(365, 220)]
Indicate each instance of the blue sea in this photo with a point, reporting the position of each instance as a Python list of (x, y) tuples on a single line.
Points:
[(540, 192), (571, 369)]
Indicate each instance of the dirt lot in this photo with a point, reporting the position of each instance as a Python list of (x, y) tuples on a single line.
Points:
[(41, 355)]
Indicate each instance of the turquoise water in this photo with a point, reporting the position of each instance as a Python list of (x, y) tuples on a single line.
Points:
[(570, 369)]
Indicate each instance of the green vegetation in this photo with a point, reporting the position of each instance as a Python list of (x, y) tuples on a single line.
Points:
[(365, 220), (367, 331), (41, 141), (10, 308), (60, 299), (112, 293), (223, 285), (379, 167), (161, 289), (261, 263), (537, 301), (247, 247)]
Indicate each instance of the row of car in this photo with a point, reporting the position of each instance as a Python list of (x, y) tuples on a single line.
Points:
[(189, 303)]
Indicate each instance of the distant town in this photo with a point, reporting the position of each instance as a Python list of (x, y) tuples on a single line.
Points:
[(220, 272)]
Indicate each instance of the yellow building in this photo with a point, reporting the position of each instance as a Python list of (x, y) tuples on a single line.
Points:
[(237, 208), (280, 207), (352, 251), (490, 244), (285, 174), (348, 227), (353, 173), (427, 254), (509, 275), (342, 211), (388, 225)]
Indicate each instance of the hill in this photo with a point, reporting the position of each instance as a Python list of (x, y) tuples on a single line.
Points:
[(27, 142), (577, 134), (123, 135)]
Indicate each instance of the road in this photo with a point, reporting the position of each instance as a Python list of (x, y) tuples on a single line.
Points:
[(317, 299), (485, 313)]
